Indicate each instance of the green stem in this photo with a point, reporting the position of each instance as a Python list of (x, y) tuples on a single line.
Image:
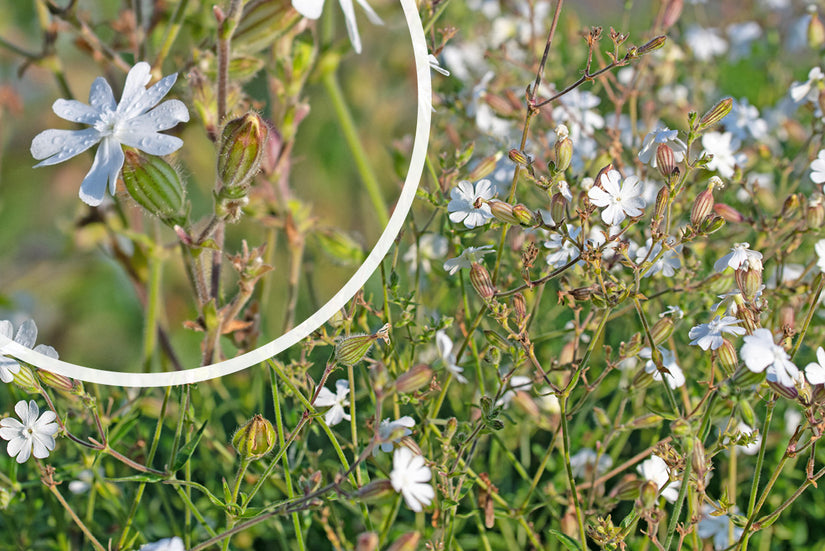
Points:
[(565, 433), (753, 506), (290, 492), (172, 31)]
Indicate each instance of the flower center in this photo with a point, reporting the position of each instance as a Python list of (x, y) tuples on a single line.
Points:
[(107, 123)]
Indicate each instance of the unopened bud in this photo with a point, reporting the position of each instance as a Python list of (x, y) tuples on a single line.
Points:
[(665, 161), (651, 45), (24, 378), (716, 114), (484, 168), (661, 330), (261, 23), (790, 205), (558, 208), (702, 207), (351, 350), (496, 340), (519, 308), (58, 382), (787, 317), (5, 498), (815, 215), (673, 9), (418, 376), (647, 421), (154, 185), (648, 494), (482, 282), (255, 439), (564, 153), (788, 392), (376, 490), (728, 213), (749, 280), (367, 541), (406, 542), (712, 224), (816, 32), (726, 355), (503, 211), (525, 216), (660, 207), (243, 141), (518, 157), (643, 379)]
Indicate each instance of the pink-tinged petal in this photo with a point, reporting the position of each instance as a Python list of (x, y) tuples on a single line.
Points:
[(352, 24), (101, 97), (311, 9), (134, 87), (26, 334), (75, 111), (105, 168), (153, 143), (55, 146)]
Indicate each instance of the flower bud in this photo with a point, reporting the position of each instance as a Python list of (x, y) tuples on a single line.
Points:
[(749, 280), (790, 205), (726, 354), (525, 216), (788, 392), (496, 340), (406, 542), (652, 45), (262, 22), (518, 157), (418, 376), (351, 350), (665, 161), (58, 382), (643, 379), (255, 439), (558, 208), (712, 224), (702, 207), (564, 153), (484, 168), (519, 308), (673, 9), (503, 211), (647, 421), (376, 490), (660, 206), (24, 378), (5, 498), (367, 541), (154, 185), (482, 282), (728, 213), (815, 215), (816, 31), (661, 330), (716, 114), (648, 494), (243, 141)]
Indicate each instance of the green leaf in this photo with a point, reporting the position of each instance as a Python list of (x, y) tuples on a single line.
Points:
[(143, 477), (185, 453), (566, 540)]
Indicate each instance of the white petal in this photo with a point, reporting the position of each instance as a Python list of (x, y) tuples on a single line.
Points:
[(55, 146), (21, 408), (134, 87), (371, 15), (25, 450), (105, 168), (443, 343), (15, 446), (153, 143), (46, 351), (164, 116), (7, 330), (41, 448), (311, 9), (101, 97), (149, 98), (26, 334), (75, 111), (352, 24)]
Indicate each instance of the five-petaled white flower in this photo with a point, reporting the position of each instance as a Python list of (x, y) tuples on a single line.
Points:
[(760, 352), (386, 430), (166, 544), (815, 371), (723, 147), (33, 436), (338, 401), (618, 203), (463, 199), (656, 470), (662, 136), (311, 9), (132, 122), (410, 477), (808, 90), (717, 528), (818, 168), (26, 336), (675, 377), (466, 258), (709, 335), (740, 256), (445, 350)]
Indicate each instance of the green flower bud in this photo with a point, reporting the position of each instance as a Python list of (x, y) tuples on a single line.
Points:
[(716, 114), (728, 360), (154, 185), (563, 148), (262, 22), (648, 494), (243, 141), (662, 330), (749, 280), (351, 350), (59, 382), (503, 211), (815, 214), (482, 282), (651, 45), (255, 439), (377, 490), (518, 157), (558, 208), (25, 379), (702, 207), (816, 31), (5, 498), (484, 168), (525, 216), (414, 379), (406, 542), (665, 161)]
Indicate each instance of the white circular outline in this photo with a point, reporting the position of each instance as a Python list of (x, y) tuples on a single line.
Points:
[(382, 247)]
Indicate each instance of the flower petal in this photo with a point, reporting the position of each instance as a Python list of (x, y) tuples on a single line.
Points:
[(164, 116), (105, 168), (134, 87), (26, 334), (311, 9), (371, 15), (7, 330), (21, 408), (153, 143), (75, 111), (352, 24), (101, 97), (55, 146)]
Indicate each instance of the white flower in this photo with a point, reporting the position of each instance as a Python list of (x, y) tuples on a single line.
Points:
[(660, 136), (743, 121), (815, 371), (808, 90), (723, 147), (33, 436), (668, 263), (739, 257), (709, 335), (429, 247), (584, 462), (718, 528), (166, 544), (674, 311), (759, 352), (311, 9), (386, 429), (26, 336), (548, 401), (83, 483), (618, 203), (445, 350), (462, 205), (576, 110), (132, 122), (705, 43), (655, 469), (563, 250), (675, 378), (338, 401), (819, 248), (818, 168), (466, 258), (410, 476)]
